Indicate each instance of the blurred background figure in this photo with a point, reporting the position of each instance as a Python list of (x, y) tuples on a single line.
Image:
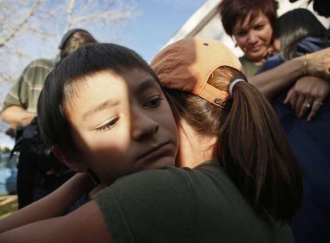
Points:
[(301, 33), (250, 24), (322, 7), (39, 172)]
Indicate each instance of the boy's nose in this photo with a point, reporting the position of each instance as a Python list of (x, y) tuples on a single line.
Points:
[(143, 126)]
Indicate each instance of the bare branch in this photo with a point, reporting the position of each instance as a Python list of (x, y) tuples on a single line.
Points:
[(30, 29), (114, 16), (69, 15), (19, 26), (8, 14)]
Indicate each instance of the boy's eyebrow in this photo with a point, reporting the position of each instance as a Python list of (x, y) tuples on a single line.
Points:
[(146, 84), (97, 108), (108, 103)]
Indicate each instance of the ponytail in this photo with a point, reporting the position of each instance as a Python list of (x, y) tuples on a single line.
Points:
[(252, 145), (255, 152)]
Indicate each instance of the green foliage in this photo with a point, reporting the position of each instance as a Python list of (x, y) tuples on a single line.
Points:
[(8, 205), (4, 150)]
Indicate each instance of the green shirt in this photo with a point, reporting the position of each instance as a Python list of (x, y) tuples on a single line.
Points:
[(250, 68), (174, 205), (25, 92)]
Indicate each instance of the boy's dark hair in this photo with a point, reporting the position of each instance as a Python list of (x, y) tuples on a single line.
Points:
[(60, 86)]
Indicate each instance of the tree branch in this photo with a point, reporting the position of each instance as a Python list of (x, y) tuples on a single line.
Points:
[(69, 15), (19, 26)]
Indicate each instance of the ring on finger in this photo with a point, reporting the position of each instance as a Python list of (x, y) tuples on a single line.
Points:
[(308, 105), (317, 103)]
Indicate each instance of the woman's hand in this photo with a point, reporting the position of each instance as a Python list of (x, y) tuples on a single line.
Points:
[(318, 64), (307, 95)]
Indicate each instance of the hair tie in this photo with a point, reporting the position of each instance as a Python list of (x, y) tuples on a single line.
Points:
[(231, 86)]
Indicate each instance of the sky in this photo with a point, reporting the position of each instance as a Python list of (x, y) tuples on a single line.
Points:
[(157, 22)]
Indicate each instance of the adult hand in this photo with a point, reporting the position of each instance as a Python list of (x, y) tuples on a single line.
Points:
[(16, 116), (307, 95), (318, 64)]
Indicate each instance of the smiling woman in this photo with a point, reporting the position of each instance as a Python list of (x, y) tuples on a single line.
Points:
[(251, 24)]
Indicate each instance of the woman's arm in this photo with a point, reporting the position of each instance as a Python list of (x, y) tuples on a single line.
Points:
[(86, 224), (275, 80), (50, 206)]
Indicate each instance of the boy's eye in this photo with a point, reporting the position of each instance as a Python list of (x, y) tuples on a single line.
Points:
[(109, 125), (154, 102)]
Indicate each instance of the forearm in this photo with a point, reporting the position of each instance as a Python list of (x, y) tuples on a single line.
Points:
[(315, 64), (16, 116), (50, 206), (275, 80)]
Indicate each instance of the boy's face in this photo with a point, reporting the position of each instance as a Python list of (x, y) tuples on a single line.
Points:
[(122, 124)]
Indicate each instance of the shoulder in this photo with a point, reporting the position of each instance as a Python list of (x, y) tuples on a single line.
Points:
[(244, 60), (144, 204), (156, 182), (270, 63), (41, 63), (249, 67)]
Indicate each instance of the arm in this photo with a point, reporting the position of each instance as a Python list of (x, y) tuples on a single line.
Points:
[(16, 116), (50, 206), (86, 224), (275, 80), (16, 102), (25, 93)]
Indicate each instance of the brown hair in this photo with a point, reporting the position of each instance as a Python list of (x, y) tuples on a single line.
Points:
[(76, 40), (232, 11), (252, 145)]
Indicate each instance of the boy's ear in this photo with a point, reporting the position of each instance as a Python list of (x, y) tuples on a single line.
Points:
[(69, 160)]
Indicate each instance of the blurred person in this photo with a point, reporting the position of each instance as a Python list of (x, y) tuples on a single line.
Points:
[(252, 24), (253, 187), (20, 104), (37, 167), (322, 7), (301, 33)]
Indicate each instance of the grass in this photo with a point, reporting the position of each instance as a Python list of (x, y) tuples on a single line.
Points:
[(8, 205)]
